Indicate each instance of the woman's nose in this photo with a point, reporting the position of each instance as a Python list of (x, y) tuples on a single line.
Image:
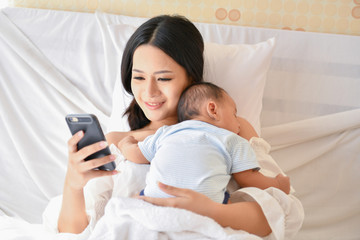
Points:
[(152, 89)]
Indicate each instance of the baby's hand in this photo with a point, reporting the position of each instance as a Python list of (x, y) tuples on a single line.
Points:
[(125, 142), (284, 183)]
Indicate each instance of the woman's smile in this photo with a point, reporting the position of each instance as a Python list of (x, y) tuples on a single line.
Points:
[(154, 105)]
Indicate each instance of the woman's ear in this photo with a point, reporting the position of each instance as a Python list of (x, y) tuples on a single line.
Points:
[(212, 110)]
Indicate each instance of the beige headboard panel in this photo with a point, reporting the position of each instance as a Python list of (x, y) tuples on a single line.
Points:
[(326, 16)]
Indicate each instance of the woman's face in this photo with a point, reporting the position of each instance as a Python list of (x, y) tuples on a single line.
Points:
[(157, 82)]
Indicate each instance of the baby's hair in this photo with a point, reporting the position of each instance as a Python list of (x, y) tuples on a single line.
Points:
[(193, 97)]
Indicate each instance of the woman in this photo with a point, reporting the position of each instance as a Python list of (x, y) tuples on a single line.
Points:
[(160, 60)]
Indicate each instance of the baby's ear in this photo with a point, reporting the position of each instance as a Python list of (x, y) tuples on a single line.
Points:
[(212, 110)]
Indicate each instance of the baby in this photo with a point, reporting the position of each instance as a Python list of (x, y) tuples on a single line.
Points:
[(202, 151)]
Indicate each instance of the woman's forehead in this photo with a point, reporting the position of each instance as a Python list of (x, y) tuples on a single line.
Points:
[(148, 56)]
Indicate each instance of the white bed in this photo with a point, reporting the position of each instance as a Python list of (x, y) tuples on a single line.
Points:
[(53, 63)]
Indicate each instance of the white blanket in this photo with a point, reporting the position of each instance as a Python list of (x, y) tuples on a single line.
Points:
[(128, 218), (131, 219)]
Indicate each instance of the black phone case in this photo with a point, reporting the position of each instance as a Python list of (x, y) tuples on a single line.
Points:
[(93, 133)]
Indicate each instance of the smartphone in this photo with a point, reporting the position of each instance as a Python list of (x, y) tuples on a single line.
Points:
[(93, 133)]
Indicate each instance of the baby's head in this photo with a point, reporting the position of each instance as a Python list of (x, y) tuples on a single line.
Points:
[(209, 103)]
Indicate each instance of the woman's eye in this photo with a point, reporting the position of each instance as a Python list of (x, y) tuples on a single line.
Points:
[(164, 79), (138, 78)]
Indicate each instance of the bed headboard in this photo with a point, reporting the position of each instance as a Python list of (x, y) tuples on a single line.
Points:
[(340, 17)]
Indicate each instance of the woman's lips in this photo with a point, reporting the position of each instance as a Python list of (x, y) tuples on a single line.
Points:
[(153, 105)]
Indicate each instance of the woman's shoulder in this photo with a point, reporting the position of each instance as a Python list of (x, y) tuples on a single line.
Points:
[(140, 134), (247, 131)]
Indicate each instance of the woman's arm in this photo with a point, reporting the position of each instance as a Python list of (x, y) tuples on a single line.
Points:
[(73, 218), (247, 131), (247, 216), (251, 178)]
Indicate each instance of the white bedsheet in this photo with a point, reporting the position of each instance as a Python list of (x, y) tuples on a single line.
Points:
[(35, 96), (322, 156), (53, 63)]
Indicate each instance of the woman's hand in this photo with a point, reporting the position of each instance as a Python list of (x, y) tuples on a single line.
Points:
[(79, 171), (184, 198), (247, 216)]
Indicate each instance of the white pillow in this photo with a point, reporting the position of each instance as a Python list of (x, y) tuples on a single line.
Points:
[(240, 69)]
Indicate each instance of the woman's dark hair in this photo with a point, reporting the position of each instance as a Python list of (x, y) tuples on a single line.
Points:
[(178, 38), (193, 97)]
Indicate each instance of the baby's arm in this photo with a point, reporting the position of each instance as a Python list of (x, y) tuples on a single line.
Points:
[(131, 151), (253, 178)]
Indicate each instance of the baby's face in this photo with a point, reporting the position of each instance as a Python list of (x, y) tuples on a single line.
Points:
[(228, 117)]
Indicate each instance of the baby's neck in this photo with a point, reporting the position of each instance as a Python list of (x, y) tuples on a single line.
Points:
[(154, 125), (204, 119)]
